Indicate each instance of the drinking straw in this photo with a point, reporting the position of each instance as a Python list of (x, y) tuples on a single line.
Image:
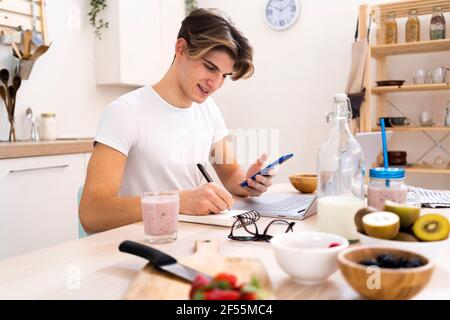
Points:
[(385, 154)]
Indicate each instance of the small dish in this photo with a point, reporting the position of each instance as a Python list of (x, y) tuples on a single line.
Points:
[(383, 83), (305, 183), (392, 284), (307, 256)]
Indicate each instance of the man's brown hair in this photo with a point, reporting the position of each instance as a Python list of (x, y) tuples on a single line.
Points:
[(210, 29)]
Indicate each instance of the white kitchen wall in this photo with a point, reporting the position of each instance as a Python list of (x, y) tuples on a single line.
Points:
[(297, 73)]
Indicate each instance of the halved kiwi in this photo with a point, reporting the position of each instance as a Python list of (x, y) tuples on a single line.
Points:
[(381, 224), (431, 227), (359, 216), (408, 214)]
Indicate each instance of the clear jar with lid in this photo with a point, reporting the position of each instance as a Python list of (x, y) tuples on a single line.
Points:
[(390, 29), (437, 24), (47, 126), (412, 32), (386, 184)]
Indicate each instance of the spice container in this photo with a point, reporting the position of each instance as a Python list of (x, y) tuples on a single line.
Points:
[(386, 184), (412, 33), (390, 29), (437, 25), (47, 126)]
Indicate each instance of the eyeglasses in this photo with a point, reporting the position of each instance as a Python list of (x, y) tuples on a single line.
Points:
[(246, 229)]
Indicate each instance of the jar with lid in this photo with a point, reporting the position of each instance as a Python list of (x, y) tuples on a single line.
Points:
[(47, 126), (412, 33), (341, 174), (390, 29), (386, 184), (437, 25)]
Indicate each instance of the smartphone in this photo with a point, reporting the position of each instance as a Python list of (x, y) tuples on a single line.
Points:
[(265, 171)]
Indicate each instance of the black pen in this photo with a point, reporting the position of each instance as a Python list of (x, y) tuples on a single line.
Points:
[(206, 175), (204, 172)]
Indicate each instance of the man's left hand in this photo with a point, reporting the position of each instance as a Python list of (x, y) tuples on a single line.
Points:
[(258, 187)]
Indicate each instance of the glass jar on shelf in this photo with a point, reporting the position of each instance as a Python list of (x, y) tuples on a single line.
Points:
[(412, 32), (437, 24), (390, 29)]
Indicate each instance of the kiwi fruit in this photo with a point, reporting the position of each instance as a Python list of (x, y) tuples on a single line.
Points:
[(431, 227), (381, 224), (406, 237), (359, 216), (408, 214)]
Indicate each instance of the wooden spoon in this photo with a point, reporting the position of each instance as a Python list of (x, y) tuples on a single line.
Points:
[(39, 52), (17, 51), (3, 94), (26, 39), (4, 77), (17, 81)]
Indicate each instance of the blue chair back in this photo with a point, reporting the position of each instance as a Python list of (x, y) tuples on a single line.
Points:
[(81, 232)]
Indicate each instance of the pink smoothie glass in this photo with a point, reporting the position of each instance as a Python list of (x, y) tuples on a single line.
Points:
[(160, 216)]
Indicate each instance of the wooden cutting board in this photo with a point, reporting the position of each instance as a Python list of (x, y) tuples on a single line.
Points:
[(153, 284)]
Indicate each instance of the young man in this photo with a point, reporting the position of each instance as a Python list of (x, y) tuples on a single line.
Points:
[(152, 138)]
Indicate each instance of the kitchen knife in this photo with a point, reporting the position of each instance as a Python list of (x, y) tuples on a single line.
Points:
[(161, 260)]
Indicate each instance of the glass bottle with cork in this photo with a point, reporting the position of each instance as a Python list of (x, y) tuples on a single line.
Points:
[(412, 32), (437, 24), (390, 29), (341, 174)]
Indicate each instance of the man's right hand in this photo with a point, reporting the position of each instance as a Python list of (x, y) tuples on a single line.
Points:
[(206, 199)]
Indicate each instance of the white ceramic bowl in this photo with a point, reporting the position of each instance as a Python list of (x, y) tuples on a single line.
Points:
[(305, 256), (431, 250)]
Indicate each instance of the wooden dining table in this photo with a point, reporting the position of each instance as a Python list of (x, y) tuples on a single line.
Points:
[(94, 268)]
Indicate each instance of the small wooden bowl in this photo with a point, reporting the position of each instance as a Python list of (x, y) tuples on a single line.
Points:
[(305, 183), (394, 284)]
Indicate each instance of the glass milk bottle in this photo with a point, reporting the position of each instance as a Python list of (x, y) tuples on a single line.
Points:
[(341, 174)]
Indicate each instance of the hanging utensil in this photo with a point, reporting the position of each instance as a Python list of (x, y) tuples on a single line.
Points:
[(39, 52), (16, 51), (36, 37), (26, 43)]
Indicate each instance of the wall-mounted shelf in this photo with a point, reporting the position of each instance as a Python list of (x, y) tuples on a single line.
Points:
[(424, 169), (401, 8), (384, 50), (413, 128), (411, 88)]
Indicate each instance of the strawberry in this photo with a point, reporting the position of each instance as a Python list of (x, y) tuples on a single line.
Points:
[(200, 281), (230, 278), (334, 244), (249, 296), (217, 294), (199, 284), (198, 295)]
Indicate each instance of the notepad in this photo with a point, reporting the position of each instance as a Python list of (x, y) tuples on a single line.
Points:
[(224, 219)]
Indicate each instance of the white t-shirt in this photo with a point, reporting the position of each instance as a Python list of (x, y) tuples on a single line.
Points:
[(163, 143)]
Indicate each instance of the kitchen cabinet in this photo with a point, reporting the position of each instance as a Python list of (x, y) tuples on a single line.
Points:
[(38, 201), (138, 47)]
